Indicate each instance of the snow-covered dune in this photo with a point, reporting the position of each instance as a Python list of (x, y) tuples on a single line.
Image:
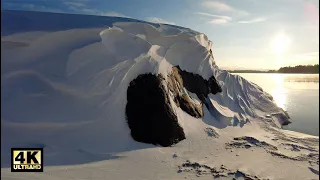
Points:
[(65, 86)]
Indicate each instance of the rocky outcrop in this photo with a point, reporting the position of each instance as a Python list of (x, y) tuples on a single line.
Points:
[(149, 113), (186, 104), (179, 79), (214, 86)]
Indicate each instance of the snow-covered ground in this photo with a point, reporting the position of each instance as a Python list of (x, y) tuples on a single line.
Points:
[(64, 84)]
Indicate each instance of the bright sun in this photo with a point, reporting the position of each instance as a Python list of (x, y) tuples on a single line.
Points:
[(280, 44)]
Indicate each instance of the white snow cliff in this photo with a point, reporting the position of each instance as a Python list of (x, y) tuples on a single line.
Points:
[(64, 88)]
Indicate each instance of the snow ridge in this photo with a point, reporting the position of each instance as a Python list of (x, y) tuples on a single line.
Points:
[(88, 71)]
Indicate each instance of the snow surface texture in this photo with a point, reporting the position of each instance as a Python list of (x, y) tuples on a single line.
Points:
[(64, 84)]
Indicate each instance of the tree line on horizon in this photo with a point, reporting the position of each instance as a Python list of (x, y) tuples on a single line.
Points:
[(307, 69)]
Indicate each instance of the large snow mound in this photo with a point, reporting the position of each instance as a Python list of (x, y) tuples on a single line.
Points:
[(65, 86)]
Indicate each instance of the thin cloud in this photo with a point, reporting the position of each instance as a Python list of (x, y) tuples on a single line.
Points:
[(30, 7), (79, 7), (75, 4), (255, 20), (83, 9), (223, 8), (218, 21), (219, 6), (159, 20), (114, 14), (89, 11), (215, 16)]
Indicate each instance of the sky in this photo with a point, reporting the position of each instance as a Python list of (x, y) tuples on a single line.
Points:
[(246, 34)]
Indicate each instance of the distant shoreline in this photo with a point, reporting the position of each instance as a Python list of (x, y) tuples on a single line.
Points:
[(266, 72), (300, 69)]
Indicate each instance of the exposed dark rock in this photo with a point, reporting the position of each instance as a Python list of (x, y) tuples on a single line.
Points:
[(296, 147), (175, 82), (184, 102), (311, 157), (174, 155), (283, 117), (217, 173), (211, 132), (248, 142), (149, 113), (194, 83), (314, 170), (214, 86)]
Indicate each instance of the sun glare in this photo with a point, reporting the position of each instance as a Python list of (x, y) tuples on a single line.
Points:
[(280, 44), (279, 92)]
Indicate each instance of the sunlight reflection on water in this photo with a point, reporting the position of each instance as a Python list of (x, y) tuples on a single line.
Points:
[(298, 94), (279, 97), (279, 85), (278, 91)]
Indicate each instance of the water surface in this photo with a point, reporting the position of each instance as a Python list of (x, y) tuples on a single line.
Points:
[(298, 94)]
